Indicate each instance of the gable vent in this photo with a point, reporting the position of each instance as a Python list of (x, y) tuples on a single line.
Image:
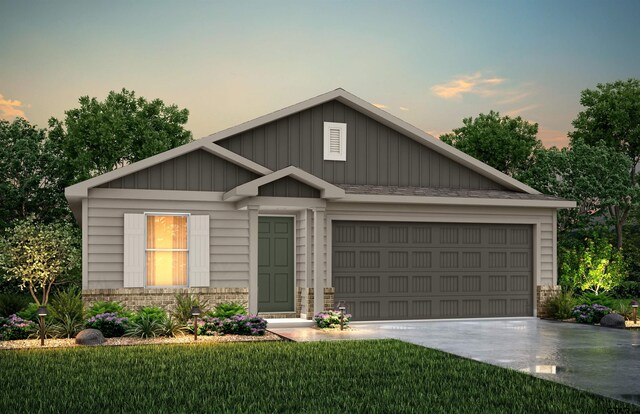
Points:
[(335, 139)]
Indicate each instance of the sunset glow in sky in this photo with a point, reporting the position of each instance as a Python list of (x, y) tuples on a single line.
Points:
[(430, 63)]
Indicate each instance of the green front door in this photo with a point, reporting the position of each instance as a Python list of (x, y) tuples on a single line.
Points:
[(275, 264)]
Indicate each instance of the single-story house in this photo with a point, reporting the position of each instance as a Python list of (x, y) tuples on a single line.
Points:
[(329, 201)]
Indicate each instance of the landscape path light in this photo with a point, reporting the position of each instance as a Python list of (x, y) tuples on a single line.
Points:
[(341, 308), (42, 312), (195, 312), (634, 305)]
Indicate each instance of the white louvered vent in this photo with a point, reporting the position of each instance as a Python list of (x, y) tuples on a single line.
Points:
[(335, 141)]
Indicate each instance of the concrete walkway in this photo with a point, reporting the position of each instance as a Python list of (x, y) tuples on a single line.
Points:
[(600, 360)]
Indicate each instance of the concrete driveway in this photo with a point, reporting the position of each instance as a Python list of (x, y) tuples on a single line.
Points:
[(600, 360)]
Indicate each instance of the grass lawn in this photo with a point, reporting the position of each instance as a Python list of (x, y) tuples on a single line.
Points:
[(342, 377)]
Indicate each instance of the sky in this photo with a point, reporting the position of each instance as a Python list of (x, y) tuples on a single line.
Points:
[(430, 63)]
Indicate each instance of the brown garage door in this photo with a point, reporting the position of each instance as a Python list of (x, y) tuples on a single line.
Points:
[(398, 270)]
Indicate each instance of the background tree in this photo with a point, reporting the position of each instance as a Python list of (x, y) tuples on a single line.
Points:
[(36, 255), (100, 136), (29, 175), (612, 117), (595, 176), (507, 144)]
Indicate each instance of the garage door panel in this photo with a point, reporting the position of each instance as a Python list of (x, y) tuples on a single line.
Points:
[(458, 270)]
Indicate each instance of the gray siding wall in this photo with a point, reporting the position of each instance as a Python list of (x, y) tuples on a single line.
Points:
[(376, 154), (195, 171), (288, 187), (229, 238)]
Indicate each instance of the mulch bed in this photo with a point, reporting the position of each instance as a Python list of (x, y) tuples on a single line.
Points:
[(126, 341)]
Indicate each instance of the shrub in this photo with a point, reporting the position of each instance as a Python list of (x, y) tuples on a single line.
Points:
[(145, 326), (227, 310), (110, 324), (561, 306), (623, 308), (66, 311), (12, 303), (100, 307), (330, 319), (171, 327), (14, 327), (590, 313), (627, 289), (151, 312), (184, 303), (590, 298), (30, 313), (148, 322), (235, 325)]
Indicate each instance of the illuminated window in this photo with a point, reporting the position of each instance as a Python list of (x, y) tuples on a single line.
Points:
[(167, 250)]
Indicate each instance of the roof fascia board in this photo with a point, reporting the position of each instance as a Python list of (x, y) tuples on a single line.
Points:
[(465, 201), (251, 189), (281, 203), (234, 158)]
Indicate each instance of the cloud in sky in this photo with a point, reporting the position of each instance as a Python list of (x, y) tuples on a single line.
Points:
[(553, 138), (518, 111), (403, 108), (476, 84), (379, 105), (11, 108)]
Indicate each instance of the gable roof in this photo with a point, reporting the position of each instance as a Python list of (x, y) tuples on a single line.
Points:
[(251, 189), (207, 143)]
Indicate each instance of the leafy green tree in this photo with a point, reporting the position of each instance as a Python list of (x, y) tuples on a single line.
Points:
[(612, 117), (595, 176), (100, 136), (507, 144), (597, 267), (37, 255), (29, 175)]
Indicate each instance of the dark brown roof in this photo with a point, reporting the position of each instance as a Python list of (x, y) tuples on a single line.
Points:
[(443, 192)]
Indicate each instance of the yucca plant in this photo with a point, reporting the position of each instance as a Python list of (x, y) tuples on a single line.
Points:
[(66, 313), (184, 303), (227, 310), (145, 327), (171, 328)]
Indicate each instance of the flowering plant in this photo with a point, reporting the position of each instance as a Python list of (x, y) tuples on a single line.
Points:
[(330, 319), (14, 327), (590, 313), (110, 324), (234, 325)]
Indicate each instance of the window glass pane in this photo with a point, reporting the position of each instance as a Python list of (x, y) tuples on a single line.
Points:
[(166, 268), (166, 232)]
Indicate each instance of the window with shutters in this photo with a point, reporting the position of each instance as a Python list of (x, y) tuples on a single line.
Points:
[(335, 141), (167, 250)]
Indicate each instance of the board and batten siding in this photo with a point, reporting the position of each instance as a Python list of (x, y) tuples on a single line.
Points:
[(195, 171), (228, 235), (376, 154), (543, 218)]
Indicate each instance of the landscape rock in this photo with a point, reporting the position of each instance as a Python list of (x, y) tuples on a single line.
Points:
[(612, 320), (90, 337)]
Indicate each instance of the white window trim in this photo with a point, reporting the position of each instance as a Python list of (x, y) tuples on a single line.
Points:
[(146, 214), (332, 156)]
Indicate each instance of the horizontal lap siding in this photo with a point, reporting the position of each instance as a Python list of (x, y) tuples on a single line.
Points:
[(376, 154), (229, 239)]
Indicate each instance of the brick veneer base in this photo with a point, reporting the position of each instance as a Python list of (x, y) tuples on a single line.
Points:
[(543, 293), (135, 298)]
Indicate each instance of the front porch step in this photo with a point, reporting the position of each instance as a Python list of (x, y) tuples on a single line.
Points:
[(278, 315), (288, 323)]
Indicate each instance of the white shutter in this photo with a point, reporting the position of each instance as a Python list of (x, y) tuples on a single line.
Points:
[(199, 251), (335, 141), (134, 250)]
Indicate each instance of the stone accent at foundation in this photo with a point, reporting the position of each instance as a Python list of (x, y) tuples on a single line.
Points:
[(135, 298), (305, 298), (544, 293)]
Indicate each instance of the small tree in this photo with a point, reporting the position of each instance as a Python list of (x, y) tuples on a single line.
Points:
[(598, 268), (36, 255)]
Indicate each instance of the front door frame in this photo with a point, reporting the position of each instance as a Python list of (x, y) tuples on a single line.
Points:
[(293, 256)]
